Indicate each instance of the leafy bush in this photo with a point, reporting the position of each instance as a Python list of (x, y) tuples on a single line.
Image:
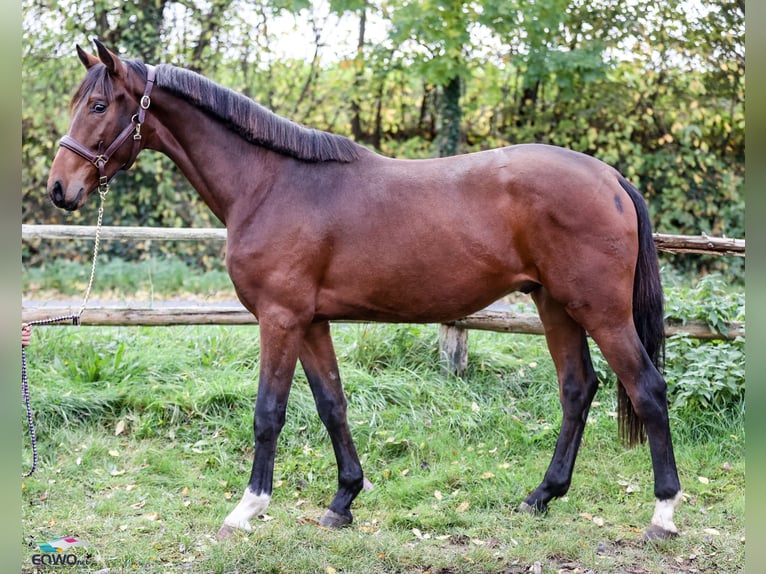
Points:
[(705, 375)]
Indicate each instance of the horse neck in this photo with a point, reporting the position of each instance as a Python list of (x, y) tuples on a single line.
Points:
[(209, 155)]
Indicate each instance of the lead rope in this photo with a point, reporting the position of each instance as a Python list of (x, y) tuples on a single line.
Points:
[(103, 189)]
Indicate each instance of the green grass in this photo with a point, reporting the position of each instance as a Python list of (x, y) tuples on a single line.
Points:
[(146, 442), (165, 276)]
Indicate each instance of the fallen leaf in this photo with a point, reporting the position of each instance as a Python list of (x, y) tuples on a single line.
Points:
[(116, 472), (305, 520), (119, 428), (438, 494), (227, 495), (475, 407), (151, 516), (703, 479), (418, 534), (598, 521), (712, 531), (185, 491), (114, 452), (330, 570), (487, 475), (139, 504), (463, 506)]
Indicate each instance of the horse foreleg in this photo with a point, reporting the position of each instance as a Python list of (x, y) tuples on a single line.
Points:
[(577, 387), (280, 343), (321, 367)]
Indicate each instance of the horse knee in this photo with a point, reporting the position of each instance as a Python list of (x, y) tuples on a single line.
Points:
[(332, 413), (267, 426)]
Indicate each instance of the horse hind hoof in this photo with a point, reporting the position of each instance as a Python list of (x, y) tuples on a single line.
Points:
[(655, 532), (334, 520)]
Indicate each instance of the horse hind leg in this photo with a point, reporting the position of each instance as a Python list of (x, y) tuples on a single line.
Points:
[(320, 365), (568, 346), (647, 392)]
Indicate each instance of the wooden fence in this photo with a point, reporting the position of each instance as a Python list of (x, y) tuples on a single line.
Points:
[(452, 336)]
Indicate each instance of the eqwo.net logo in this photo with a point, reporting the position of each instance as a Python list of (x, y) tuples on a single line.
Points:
[(56, 551)]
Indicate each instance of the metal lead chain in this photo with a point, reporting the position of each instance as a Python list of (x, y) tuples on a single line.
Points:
[(30, 422), (75, 318), (102, 191)]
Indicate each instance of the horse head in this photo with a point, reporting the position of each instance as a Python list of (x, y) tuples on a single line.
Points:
[(103, 118)]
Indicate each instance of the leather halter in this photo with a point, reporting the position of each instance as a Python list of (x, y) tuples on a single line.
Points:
[(100, 159)]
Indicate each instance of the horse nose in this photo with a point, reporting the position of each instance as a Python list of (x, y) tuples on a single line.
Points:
[(59, 199)]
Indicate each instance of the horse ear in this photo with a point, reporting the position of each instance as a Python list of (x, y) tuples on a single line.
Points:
[(111, 60), (87, 60)]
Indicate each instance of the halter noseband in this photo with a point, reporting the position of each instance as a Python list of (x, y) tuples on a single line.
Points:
[(100, 159)]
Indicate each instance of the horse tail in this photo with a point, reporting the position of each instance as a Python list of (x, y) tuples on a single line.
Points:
[(648, 314)]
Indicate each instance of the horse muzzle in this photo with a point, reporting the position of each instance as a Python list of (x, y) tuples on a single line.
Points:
[(59, 197)]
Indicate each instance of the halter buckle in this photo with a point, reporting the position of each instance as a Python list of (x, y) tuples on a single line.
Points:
[(103, 185)]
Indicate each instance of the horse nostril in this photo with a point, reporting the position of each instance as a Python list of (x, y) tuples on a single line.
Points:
[(57, 193)]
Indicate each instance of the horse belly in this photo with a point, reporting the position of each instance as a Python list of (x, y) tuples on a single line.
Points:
[(429, 285)]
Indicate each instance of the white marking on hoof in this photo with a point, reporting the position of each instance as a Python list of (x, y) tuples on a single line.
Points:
[(663, 513), (251, 505)]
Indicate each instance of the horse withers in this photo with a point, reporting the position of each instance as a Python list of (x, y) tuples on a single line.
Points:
[(321, 229)]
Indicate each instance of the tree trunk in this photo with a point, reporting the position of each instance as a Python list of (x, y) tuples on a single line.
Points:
[(451, 116)]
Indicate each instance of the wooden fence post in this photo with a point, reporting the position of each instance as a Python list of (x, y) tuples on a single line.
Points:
[(453, 349)]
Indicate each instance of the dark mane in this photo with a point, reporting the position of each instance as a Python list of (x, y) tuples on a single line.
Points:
[(254, 122)]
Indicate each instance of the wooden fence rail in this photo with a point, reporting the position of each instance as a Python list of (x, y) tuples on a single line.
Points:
[(496, 318), (453, 337)]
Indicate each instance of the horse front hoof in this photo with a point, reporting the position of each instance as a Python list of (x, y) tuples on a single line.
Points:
[(225, 532), (334, 520), (655, 532)]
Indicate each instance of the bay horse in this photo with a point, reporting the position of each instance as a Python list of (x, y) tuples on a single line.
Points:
[(321, 229)]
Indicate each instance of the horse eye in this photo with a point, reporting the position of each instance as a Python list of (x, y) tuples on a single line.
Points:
[(98, 108)]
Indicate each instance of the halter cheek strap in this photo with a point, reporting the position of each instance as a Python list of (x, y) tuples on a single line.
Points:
[(101, 158)]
